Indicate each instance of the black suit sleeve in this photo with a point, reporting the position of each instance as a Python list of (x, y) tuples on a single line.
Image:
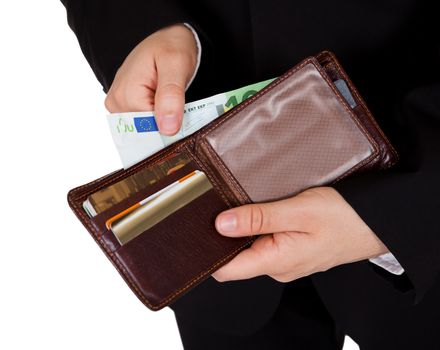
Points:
[(403, 206), (107, 30)]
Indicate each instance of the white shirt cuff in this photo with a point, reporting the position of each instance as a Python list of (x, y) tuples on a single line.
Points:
[(388, 262), (199, 54)]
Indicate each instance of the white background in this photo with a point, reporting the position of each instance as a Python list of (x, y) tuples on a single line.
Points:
[(58, 290)]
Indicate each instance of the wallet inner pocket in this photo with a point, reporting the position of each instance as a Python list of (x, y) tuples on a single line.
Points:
[(154, 209), (297, 135), (117, 197), (180, 250), (144, 180)]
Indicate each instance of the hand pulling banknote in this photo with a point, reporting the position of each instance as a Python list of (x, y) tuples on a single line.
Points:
[(137, 136)]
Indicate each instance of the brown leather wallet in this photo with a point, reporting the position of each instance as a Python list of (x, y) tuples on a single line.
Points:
[(307, 128)]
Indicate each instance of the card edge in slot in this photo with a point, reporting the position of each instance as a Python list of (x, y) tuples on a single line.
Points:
[(119, 238), (145, 190)]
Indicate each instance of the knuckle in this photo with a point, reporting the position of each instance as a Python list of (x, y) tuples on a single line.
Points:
[(109, 103), (175, 55), (177, 58), (114, 99), (170, 96), (172, 89), (166, 51), (258, 219)]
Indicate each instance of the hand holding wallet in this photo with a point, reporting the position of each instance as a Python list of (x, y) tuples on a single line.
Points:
[(307, 128)]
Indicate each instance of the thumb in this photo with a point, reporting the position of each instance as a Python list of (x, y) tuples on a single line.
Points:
[(172, 77), (254, 219)]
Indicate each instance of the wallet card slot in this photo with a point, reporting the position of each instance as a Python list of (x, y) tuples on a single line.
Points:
[(180, 250), (335, 72), (342, 82), (99, 221), (156, 208), (300, 134)]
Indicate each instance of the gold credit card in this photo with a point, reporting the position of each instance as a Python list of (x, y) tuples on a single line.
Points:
[(106, 198), (153, 211)]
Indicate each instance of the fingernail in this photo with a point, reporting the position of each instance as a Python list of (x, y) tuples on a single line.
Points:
[(169, 124), (227, 222)]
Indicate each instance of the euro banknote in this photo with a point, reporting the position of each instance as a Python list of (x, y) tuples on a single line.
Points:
[(136, 135)]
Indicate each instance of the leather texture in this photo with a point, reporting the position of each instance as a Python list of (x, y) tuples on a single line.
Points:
[(296, 133)]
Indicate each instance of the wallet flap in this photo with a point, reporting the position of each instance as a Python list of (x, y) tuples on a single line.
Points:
[(300, 129)]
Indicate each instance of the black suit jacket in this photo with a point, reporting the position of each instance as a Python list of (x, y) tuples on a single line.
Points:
[(391, 50)]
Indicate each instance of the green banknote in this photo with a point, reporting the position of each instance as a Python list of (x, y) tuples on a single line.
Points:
[(136, 135)]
